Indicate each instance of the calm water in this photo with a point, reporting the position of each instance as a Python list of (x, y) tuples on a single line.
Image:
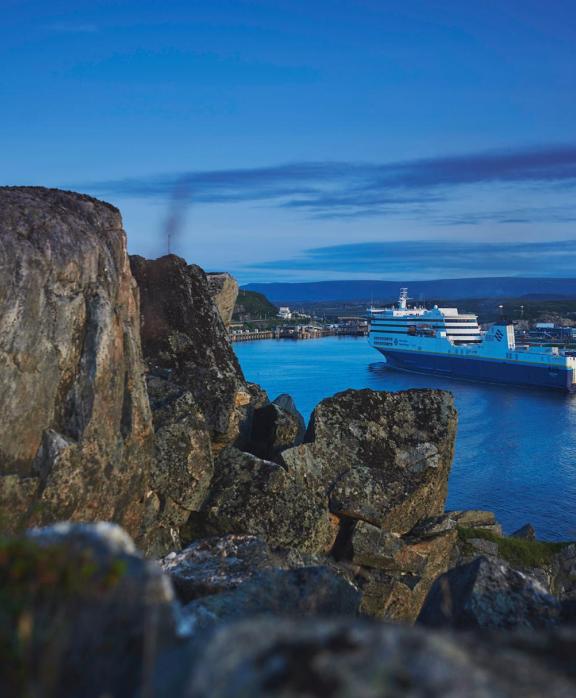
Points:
[(515, 450)]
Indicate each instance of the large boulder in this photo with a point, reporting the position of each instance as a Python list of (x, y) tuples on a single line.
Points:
[(224, 291), (489, 594), (249, 495), (82, 613), (76, 436), (185, 341), (279, 658), (380, 457)]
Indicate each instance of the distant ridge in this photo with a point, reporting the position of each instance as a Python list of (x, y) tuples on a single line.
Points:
[(446, 289)]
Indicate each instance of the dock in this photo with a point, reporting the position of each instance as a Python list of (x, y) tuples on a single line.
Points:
[(300, 332), (250, 335)]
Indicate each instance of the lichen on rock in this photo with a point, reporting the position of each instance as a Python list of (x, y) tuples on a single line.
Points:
[(76, 438)]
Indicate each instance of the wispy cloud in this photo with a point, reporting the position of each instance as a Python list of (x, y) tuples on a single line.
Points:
[(356, 189), (435, 259), (541, 214)]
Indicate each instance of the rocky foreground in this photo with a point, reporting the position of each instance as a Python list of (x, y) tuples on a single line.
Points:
[(246, 553)]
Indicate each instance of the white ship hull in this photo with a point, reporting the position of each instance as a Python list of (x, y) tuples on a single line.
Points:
[(444, 342)]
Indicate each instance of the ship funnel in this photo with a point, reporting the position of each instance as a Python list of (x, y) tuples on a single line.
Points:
[(502, 336)]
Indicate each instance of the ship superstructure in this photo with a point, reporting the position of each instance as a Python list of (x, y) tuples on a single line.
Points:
[(446, 342)]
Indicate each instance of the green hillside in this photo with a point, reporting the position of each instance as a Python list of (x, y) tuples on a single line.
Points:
[(251, 305)]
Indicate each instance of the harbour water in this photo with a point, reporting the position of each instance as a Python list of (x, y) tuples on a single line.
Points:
[(515, 449)]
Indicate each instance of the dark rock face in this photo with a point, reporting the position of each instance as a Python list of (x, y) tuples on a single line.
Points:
[(383, 457), (76, 437), (253, 496), (93, 610), (304, 591), (183, 464), (286, 403), (275, 658), (184, 339), (224, 291), (489, 594), (274, 430)]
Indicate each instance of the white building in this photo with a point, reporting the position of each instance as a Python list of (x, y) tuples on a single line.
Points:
[(285, 313)]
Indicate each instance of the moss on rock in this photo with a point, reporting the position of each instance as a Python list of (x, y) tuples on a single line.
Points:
[(519, 552)]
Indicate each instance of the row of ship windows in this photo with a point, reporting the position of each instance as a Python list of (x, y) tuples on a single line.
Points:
[(423, 319), (456, 342), (449, 334), (468, 328), (438, 323)]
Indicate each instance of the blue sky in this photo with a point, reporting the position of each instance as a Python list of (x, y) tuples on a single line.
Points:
[(306, 140)]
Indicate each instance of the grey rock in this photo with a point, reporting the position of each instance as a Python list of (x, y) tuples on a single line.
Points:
[(470, 518), (474, 518), (286, 403), (76, 438), (224, 291), (485, 547), (216, 565), (104, 540), (370, 495), (305, 591), (96, 613), (397, 571), (373, 547), (352, 659), (183, 463), (489, 594), (249, 495), (564, 573)]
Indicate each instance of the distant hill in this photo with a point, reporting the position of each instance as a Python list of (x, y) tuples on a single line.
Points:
[(447, 289), (251, 304)]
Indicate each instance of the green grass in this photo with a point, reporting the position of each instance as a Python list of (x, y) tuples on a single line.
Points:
[(519, 552)]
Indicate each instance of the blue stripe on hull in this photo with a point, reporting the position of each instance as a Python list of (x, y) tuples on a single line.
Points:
[(478, 370)]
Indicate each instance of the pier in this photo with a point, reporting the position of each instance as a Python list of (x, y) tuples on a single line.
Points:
[(300, 332), (249, 335)]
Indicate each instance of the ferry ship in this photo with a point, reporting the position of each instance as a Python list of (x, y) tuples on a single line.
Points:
[(445, 342)]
